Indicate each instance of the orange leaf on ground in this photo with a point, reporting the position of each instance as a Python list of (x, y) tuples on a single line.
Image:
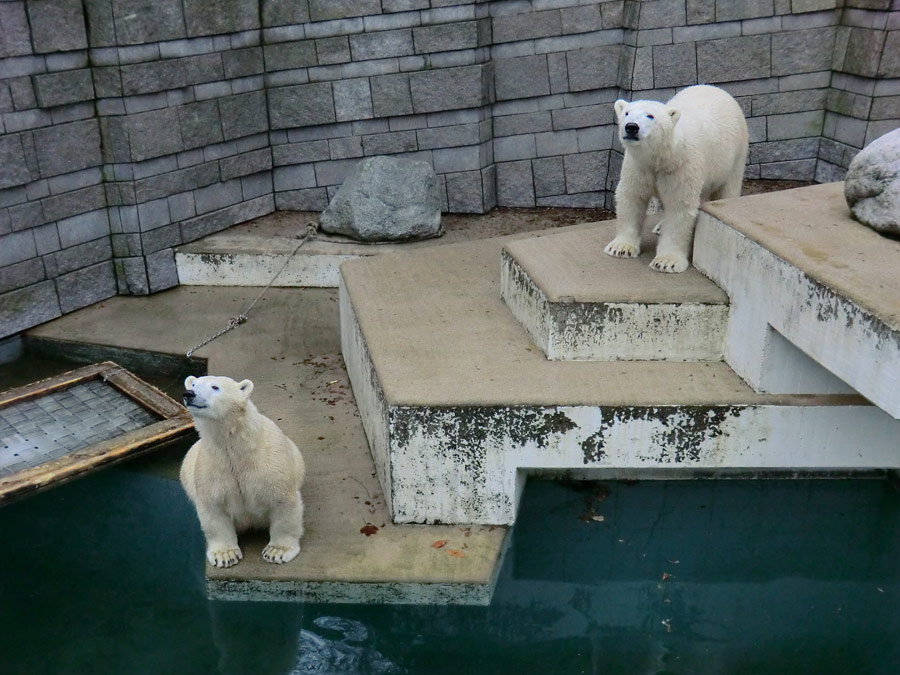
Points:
[(456, 553), (368, 529), (440, 543)]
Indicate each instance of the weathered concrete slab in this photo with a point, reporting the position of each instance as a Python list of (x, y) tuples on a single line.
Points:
[(459, 405), (809, 285), (579, 304), (290, 349)]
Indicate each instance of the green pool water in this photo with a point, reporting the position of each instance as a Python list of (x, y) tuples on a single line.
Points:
[(105, 575)]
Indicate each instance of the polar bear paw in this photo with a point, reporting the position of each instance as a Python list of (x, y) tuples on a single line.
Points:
[(224, 556), (280, 554), (622, 248), (670, 262)]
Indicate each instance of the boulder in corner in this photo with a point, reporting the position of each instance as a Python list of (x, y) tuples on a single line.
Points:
[(386, 199), (872, 185)]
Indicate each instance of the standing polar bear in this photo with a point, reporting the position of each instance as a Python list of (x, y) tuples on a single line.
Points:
[(684, 152), (243, 473)]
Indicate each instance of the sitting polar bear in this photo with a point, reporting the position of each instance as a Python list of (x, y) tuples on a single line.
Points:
[(684, 152), (243, 473)]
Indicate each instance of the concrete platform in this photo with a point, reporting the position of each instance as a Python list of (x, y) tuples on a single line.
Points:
[(290, 349), (459, 405), (579, 304), (815, 295)]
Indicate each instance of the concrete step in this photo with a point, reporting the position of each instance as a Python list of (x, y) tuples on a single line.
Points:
[(579, 304), (459, 406)]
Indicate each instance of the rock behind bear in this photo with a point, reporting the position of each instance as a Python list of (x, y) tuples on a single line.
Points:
[(242, 474)]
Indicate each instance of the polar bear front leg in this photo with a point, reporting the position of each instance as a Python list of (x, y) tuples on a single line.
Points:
[(222, 548), (676, 229), (632, 196), (285, 532)]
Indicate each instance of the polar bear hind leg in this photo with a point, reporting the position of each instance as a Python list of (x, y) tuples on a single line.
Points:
[(681, 199)]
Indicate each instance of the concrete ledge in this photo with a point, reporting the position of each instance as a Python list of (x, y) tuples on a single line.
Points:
[(579, 304), (808, 285)]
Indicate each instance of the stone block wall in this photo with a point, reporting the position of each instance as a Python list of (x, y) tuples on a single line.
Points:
[(129, 127)]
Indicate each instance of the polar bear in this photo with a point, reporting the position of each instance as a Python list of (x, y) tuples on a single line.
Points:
[(243, 473), (684, 152)]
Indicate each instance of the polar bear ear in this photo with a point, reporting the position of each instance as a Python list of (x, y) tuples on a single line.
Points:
[(189, 381), (620, 106), (674, 114), (246, 386)]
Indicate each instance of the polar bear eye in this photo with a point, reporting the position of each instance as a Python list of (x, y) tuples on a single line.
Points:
[(650, 117), (215, 387)]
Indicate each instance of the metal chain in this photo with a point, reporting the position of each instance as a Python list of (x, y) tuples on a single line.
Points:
[(235, 321)]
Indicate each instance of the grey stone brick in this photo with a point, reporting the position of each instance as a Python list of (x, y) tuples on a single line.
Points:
[(312, 199), (166, 236), (229, 16), (107, 81), (464, 192), (71, 86), (37, 189), (743, 9), (784, 150), (333, 50), (75, 181), (294, 177), (326, 10), (15, 38), (86, 286), (448, 160), (710, 31), (243, 114), (200, 124), (581, 200), (352, 99), (333, 172), (201, 68), (662, 14), (344, 148), (449, 137), (154, 133), (885, 108), (379, 22), (526, 26), (391, 95), (25, 216), (77, 257), (509, 148), (84, 227), (243, 62), (593, 67), (154, 214), (801, 169), (46, 238), (802, 51), (27, 119), (68, 147), (181, 206), (556, 143), (381, 45), (257, 185), (245, 164), (521, 77), (20, 275), (289, 55), (522, 123), (300, 153), (56, 25), (742, 58), (13, 170), (515, 184), (890, 56), (284, 12), (141, 21), (559, 72), (863, 54), (584, 116), (161, 270), (446, 37), (613, 14), (369, 68), (450, 88), (16, 247), (581, 19), (795, 125), (674, 65), (389, 143), (403, 5), (74, 203), (217, 196), (28, 307), (301, 105), (131, 276), (6, 103), (285, 78), (219, 220), (586, 172), (126, 245), (549, 176), (789, 101), (174, 182), (21, 90)]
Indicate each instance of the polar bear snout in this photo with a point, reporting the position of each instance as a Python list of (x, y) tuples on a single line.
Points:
[(632, 129)]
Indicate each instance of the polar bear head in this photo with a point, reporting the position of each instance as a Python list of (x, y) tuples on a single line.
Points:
[(215, 397), (644, 122)]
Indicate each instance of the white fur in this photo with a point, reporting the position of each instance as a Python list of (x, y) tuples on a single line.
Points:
[(686, 151), (243, 473)]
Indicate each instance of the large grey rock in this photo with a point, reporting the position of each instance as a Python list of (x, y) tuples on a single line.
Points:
[(386, 199), (872, 185)]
